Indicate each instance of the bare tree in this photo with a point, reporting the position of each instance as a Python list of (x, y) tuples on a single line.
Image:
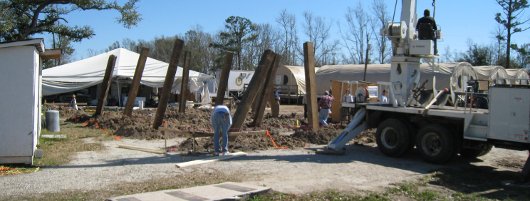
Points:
[(202, 55), (289, 38), (382, 18), (266, 38), (500, 39), (355, 36), (317, 30)]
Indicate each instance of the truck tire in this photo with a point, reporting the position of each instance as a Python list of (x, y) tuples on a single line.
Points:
[(480, 150), (436, 144), (393, 138)]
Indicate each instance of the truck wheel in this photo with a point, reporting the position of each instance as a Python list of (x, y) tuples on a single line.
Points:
[(393, 138), (435, 144), (479, 150)]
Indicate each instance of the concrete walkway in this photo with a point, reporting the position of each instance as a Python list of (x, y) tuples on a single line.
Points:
[(222, 191)]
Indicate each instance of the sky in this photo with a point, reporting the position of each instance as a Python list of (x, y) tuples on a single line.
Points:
[(460, 21)]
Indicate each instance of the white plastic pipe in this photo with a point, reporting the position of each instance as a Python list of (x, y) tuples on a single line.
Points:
[(435, 99)]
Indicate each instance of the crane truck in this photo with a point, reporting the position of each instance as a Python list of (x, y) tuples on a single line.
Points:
[(438, 132)]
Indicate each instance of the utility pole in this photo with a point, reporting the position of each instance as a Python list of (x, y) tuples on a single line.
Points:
[(366, 55)]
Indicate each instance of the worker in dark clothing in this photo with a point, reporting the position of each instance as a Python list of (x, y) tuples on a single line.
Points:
[(426, 28)]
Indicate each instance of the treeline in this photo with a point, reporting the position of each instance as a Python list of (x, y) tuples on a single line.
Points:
[(361, 31), (356, 35), (248, 40)]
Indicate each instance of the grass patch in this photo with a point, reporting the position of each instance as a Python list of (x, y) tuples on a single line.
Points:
[(189, 179), (421, 189), (60, 151)]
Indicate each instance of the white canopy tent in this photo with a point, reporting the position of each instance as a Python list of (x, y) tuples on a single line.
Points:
[(291, 79), (519, 76), (90, 71), (495, 74)]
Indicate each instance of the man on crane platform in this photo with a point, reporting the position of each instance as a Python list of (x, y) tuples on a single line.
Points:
[(426, 28)]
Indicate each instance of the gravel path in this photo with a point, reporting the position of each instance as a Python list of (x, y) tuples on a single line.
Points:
[(290, 171)]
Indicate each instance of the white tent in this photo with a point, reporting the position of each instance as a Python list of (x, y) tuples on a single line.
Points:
[(519, 76), (378, 72), (291, 79), (90, 71), (495, 74)]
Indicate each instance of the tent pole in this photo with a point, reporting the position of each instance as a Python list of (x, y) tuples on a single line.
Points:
[(119, 92)]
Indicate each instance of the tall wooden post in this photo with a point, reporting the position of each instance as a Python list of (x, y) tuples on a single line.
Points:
[(168, 83), (184, 83), (223, 78), (275, 105), (255, 84), (105, 85), (310, 81), (133, 91), (267, 92)]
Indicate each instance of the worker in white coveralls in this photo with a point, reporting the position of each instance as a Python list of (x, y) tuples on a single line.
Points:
[(221, 122), (73, 103)]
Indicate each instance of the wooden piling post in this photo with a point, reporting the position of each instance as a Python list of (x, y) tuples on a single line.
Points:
[(267, 92), (168, 83), (135, 85), (255, 84), (311, 90), (105, 85), (184, 83), (275, 105), (223, 79)]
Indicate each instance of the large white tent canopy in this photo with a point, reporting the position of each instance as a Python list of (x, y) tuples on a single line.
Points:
[(90, 71)]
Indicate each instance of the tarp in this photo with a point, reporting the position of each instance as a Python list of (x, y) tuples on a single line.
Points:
[(519, 76), (378, 72), (90, 71), (495, 74)]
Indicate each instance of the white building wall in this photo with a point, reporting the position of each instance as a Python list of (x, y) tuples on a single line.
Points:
[(19, 103)]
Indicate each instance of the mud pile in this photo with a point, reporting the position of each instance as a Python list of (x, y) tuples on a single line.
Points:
[(284, 131), (299, 139)]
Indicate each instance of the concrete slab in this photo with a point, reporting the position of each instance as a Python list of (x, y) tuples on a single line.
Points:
[(222, 191), (58, 136)]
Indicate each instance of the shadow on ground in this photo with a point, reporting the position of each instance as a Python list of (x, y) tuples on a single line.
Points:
[(484, 181)]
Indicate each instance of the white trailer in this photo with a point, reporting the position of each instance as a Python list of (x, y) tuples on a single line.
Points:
[(20, 111), (438, 132)]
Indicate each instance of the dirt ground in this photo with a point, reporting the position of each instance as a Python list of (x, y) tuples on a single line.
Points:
[(296, 169), (283, 130)]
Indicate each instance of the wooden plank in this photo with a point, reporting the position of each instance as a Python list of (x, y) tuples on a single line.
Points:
[(275, 105), (184, 83), (144, 149), (168, 83), (210, 159), (336, 88), (267, 93), (311, 90), (223, 80), (135, 85), (105, 85), (256, 83)]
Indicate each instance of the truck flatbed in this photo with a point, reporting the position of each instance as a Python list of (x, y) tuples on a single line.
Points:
[(442, 111)]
